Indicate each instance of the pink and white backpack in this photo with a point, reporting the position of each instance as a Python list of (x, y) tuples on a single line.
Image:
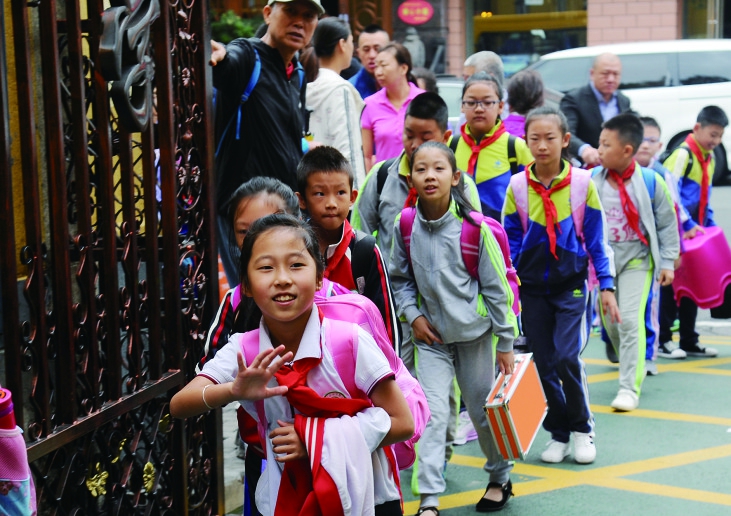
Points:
[(359, 310), (469, 241)]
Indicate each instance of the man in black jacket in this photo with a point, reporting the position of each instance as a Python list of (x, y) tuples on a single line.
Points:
[(262, 136), (586, 108)]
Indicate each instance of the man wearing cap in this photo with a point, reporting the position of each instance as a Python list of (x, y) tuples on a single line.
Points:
[(262, 136)]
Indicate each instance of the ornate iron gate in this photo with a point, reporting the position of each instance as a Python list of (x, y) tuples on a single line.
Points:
[(116, 247)]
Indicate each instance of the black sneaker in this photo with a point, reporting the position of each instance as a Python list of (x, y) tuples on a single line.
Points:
[(697, 351), (666, 351)]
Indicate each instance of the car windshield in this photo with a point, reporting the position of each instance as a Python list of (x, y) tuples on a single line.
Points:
[(564, 74)]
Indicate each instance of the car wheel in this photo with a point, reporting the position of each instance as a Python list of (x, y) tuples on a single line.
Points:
[(721, 173)]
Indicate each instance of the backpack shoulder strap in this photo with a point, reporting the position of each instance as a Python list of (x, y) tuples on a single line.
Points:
[(469, 243), (361, 257), (512, 155), (519, 185), (691, 159), (249, 343), (382, 174), (454, 142), (406, 225), (649, 177), (578, 191), (341, 340), (255, 73)]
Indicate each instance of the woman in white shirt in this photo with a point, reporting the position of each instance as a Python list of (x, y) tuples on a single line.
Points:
[(335, 103)]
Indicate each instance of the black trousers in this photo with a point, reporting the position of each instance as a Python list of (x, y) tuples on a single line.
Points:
[(686, 313)]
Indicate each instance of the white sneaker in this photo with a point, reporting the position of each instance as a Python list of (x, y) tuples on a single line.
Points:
[(666, 350), (651, 368), (584, 449), (625, 401), (555, 452), (465, 430)]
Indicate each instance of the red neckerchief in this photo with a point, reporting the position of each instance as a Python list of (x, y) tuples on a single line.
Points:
[(305, 490), (549, 207), (705, 179), (411, 198), (289, 70), (333, 266), (629, 208), (469, 140)]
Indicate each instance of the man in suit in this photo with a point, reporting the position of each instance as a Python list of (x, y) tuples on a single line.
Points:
[(586, 108)]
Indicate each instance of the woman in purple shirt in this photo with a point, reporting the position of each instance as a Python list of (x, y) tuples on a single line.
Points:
[(382, 121)]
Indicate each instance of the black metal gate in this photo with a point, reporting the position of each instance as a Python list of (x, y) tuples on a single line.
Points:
[(107, 252)]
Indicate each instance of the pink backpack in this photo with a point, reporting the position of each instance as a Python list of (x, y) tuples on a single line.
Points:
[(19, 495), (578, 189), (343, 311), (470, 244)]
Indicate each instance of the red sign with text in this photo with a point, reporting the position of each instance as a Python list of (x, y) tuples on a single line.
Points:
[(415, 12)]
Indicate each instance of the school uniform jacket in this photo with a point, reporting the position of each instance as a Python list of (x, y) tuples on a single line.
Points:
[(539, 272), (492, 170), (435, 282), (689, 186), (657, 215), (270, 140)]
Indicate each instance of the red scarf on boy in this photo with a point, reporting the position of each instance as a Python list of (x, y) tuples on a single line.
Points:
[(629, 208), (705, 178), (549, 208)]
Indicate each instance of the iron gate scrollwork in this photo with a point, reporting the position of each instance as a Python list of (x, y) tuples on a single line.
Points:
[(117, 258)]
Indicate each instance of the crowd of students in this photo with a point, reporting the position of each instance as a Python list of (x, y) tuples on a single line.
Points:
[(612, 234)]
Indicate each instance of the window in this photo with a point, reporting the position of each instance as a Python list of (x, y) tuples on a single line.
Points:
[(645, 71), (565, 74), (704, 67)]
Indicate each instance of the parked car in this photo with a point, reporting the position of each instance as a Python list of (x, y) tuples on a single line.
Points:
[(668, 80)]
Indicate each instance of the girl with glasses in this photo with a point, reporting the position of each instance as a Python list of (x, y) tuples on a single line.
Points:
[(484, 149)]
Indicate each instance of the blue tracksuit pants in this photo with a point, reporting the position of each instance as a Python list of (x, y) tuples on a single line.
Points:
[(556, 328)]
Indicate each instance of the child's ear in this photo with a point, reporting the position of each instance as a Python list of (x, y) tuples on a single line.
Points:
[(408, 180), (301, 198), (447, 136), (455, 177), (353, 196), (566, 140), (696, 127), (319, 281)]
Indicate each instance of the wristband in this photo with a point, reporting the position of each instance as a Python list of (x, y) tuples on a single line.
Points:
[(609, 289), (203, 395)]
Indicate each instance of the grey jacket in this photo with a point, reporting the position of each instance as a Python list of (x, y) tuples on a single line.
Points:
[(372, 213), (657, 215), (440, 287)]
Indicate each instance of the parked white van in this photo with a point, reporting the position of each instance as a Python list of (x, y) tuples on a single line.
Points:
[(670, 81)]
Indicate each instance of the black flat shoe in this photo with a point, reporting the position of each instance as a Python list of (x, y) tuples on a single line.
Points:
[(485, 505), (422, 510)]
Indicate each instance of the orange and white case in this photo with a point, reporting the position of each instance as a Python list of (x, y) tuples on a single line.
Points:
[(515, 408)]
